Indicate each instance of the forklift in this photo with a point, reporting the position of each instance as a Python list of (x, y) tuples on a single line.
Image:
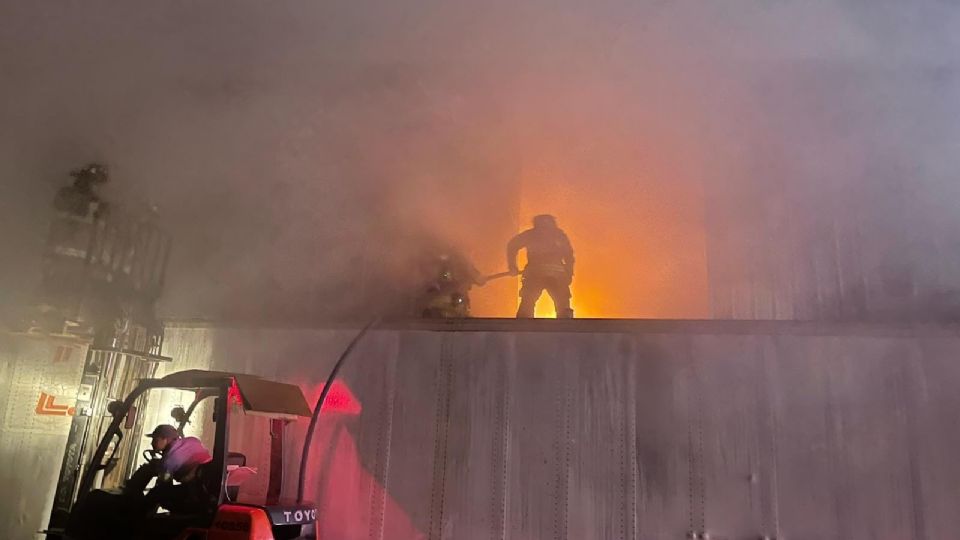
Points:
[(101, 510), (103, 273), (103, 270)]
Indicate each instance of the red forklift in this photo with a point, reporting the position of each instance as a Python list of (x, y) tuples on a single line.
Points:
[(104, 270), (102, 510)]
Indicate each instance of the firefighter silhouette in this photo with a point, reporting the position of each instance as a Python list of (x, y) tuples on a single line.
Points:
[(549, 266)]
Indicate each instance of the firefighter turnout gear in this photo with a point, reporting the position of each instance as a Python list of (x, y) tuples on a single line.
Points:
[(449, 278), (549, 267)]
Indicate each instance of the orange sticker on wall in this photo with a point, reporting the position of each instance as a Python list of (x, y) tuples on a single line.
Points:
[(47, 406)]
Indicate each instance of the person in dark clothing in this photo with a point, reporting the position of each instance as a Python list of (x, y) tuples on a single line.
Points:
[(65, 299), (81, 199), (449, 276), (549, 266), (105, 515), (184, 460)]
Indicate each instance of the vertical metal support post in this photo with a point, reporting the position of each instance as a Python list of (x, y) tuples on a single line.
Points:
[(76, 440)]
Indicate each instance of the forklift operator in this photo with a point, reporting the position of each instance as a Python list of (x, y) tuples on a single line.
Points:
[(104, 515), (182, 459)]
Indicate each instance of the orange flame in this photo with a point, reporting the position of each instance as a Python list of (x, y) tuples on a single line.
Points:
[(638, 255)]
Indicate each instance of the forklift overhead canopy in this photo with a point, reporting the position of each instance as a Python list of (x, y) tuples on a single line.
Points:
[(259, 396)]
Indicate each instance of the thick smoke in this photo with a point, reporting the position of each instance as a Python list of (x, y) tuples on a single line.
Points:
[(299, 152)]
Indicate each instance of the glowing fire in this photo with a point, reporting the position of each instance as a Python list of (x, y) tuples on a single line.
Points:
[(639, 254)]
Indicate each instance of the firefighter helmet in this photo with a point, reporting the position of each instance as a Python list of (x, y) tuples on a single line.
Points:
[(544, 220), (91, 172)]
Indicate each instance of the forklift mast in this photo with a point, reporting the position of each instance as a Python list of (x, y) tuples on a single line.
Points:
[(102, 274)]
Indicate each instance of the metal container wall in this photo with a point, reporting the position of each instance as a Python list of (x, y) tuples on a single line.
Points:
[(632, 430), (39, 381), (579, 429)]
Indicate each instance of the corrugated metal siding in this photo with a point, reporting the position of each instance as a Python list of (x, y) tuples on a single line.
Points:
[(763, 429), (639, 435), (33, 434)]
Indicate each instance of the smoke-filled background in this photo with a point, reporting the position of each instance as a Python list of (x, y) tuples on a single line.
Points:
[(729, 159)]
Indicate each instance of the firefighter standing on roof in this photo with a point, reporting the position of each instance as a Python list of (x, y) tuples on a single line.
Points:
[(549, 266)]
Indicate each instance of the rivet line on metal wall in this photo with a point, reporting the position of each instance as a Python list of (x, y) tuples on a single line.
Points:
[(568, 406), (774, 454), (441, 427), (910, 420), (496, 459), (691, 461), (696, 496), (379, 496), (622, 444), (498, 502), (635, 472), (563, 457), (506, 450), (701, 484)]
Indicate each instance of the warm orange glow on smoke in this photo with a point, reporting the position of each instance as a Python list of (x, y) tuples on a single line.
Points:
[(623, 177), (639, 252)]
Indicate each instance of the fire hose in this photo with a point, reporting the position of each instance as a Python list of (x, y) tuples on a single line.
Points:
[(499, 275)]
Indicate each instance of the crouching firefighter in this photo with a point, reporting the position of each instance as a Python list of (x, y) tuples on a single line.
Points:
[(450, 276), (549, 266)]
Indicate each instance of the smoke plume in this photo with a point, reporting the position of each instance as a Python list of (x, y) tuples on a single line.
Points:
[(300, 152)]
